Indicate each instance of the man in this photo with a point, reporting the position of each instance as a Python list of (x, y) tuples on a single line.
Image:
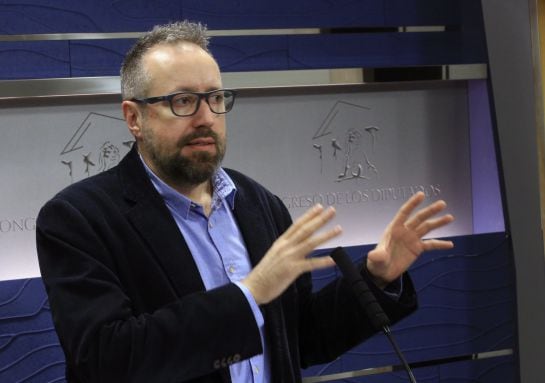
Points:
[(168, 268)]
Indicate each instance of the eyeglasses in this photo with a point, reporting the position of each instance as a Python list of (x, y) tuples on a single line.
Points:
[(185, 104)]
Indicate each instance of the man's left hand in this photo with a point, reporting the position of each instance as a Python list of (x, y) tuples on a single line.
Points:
[(402, 242)]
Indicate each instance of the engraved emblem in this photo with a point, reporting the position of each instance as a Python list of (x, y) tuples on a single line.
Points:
[(346, 152), (98, 144)]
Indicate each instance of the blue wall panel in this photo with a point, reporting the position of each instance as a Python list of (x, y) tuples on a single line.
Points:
[(65, 16), (80, 58), (22, 60), (496, 370), (234, 14), (45, 16), (502, 369), (462, 43), (248, 53), (123, 15), (97, 57), (466, 305), (383, 50), (29, 347)]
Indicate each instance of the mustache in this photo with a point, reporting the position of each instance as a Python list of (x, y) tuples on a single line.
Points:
[(201, 133)]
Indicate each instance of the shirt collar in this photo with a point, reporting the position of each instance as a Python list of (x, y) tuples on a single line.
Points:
[(223, 187)]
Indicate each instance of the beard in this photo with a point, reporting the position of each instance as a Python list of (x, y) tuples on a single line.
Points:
[(186, 170)]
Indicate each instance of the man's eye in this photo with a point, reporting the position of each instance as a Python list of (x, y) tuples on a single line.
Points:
[(216, 98), (184, 100)]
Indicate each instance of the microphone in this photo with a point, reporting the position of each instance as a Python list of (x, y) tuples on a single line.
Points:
[(360, 288), (366, 299)]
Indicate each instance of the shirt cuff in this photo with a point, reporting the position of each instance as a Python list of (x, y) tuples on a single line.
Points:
[(394, 289), (258, 315)]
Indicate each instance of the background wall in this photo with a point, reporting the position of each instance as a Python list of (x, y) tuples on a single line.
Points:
[(465, 329)]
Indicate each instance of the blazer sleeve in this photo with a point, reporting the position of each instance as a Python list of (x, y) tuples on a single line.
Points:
[(105, 337), (331, 321)]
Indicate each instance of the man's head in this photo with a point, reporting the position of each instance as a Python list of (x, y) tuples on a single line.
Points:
[(134, 79), (170, 59)]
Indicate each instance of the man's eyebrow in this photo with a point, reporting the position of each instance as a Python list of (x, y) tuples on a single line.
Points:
[(194, 90)]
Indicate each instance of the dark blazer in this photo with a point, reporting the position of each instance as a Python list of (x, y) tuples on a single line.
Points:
[(129, 305)]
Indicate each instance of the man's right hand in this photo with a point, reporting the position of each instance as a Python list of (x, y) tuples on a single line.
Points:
[(288, 257)]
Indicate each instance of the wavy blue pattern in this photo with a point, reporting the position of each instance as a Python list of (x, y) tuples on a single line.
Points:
[(34, 59), (29, 347), (12, 336), (28, 354), (463, 42), (449, 322), (285, 14), (41, 370), (482, 371), (20, 14), (40, 16), (97, 58), (467, 305), (435, 346), (27, 314), (497, 370), (16, 295)]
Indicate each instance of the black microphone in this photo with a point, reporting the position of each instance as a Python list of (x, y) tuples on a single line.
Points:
[(360, 288), (377, 316)]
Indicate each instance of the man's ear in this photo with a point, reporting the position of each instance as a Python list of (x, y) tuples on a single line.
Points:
[(133, 117)]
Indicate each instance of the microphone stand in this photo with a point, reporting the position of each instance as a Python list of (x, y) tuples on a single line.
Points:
[(367, 300), (388, 333)]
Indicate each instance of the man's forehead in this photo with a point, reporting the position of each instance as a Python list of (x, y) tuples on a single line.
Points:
[(186, 62), (171, 56), (167, 51)]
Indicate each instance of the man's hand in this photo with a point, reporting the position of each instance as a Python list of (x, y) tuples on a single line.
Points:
[(402, 242), (288, 257)]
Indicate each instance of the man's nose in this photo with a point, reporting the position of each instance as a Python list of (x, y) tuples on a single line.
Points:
[(204, 115)]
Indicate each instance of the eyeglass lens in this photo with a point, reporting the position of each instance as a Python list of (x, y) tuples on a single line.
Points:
[(220, 102)]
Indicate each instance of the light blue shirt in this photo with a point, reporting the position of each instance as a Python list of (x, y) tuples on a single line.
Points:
[(218, 249)]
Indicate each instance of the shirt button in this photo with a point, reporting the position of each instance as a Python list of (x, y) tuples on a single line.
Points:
[(210, 225), (231, 269), (256, 369)]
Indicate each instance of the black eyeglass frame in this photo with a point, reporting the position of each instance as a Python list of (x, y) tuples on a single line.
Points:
[(200, 95)]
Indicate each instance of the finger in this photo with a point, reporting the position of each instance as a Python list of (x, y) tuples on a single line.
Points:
[(306, 246), (316, 263), (307, 216), (425, 213), (307, 229), (432, 224), (407, 208), (436, 244)]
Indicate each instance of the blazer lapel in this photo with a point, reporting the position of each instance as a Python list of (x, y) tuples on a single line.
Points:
[(152, 219), (254, 233), (258, 238)]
